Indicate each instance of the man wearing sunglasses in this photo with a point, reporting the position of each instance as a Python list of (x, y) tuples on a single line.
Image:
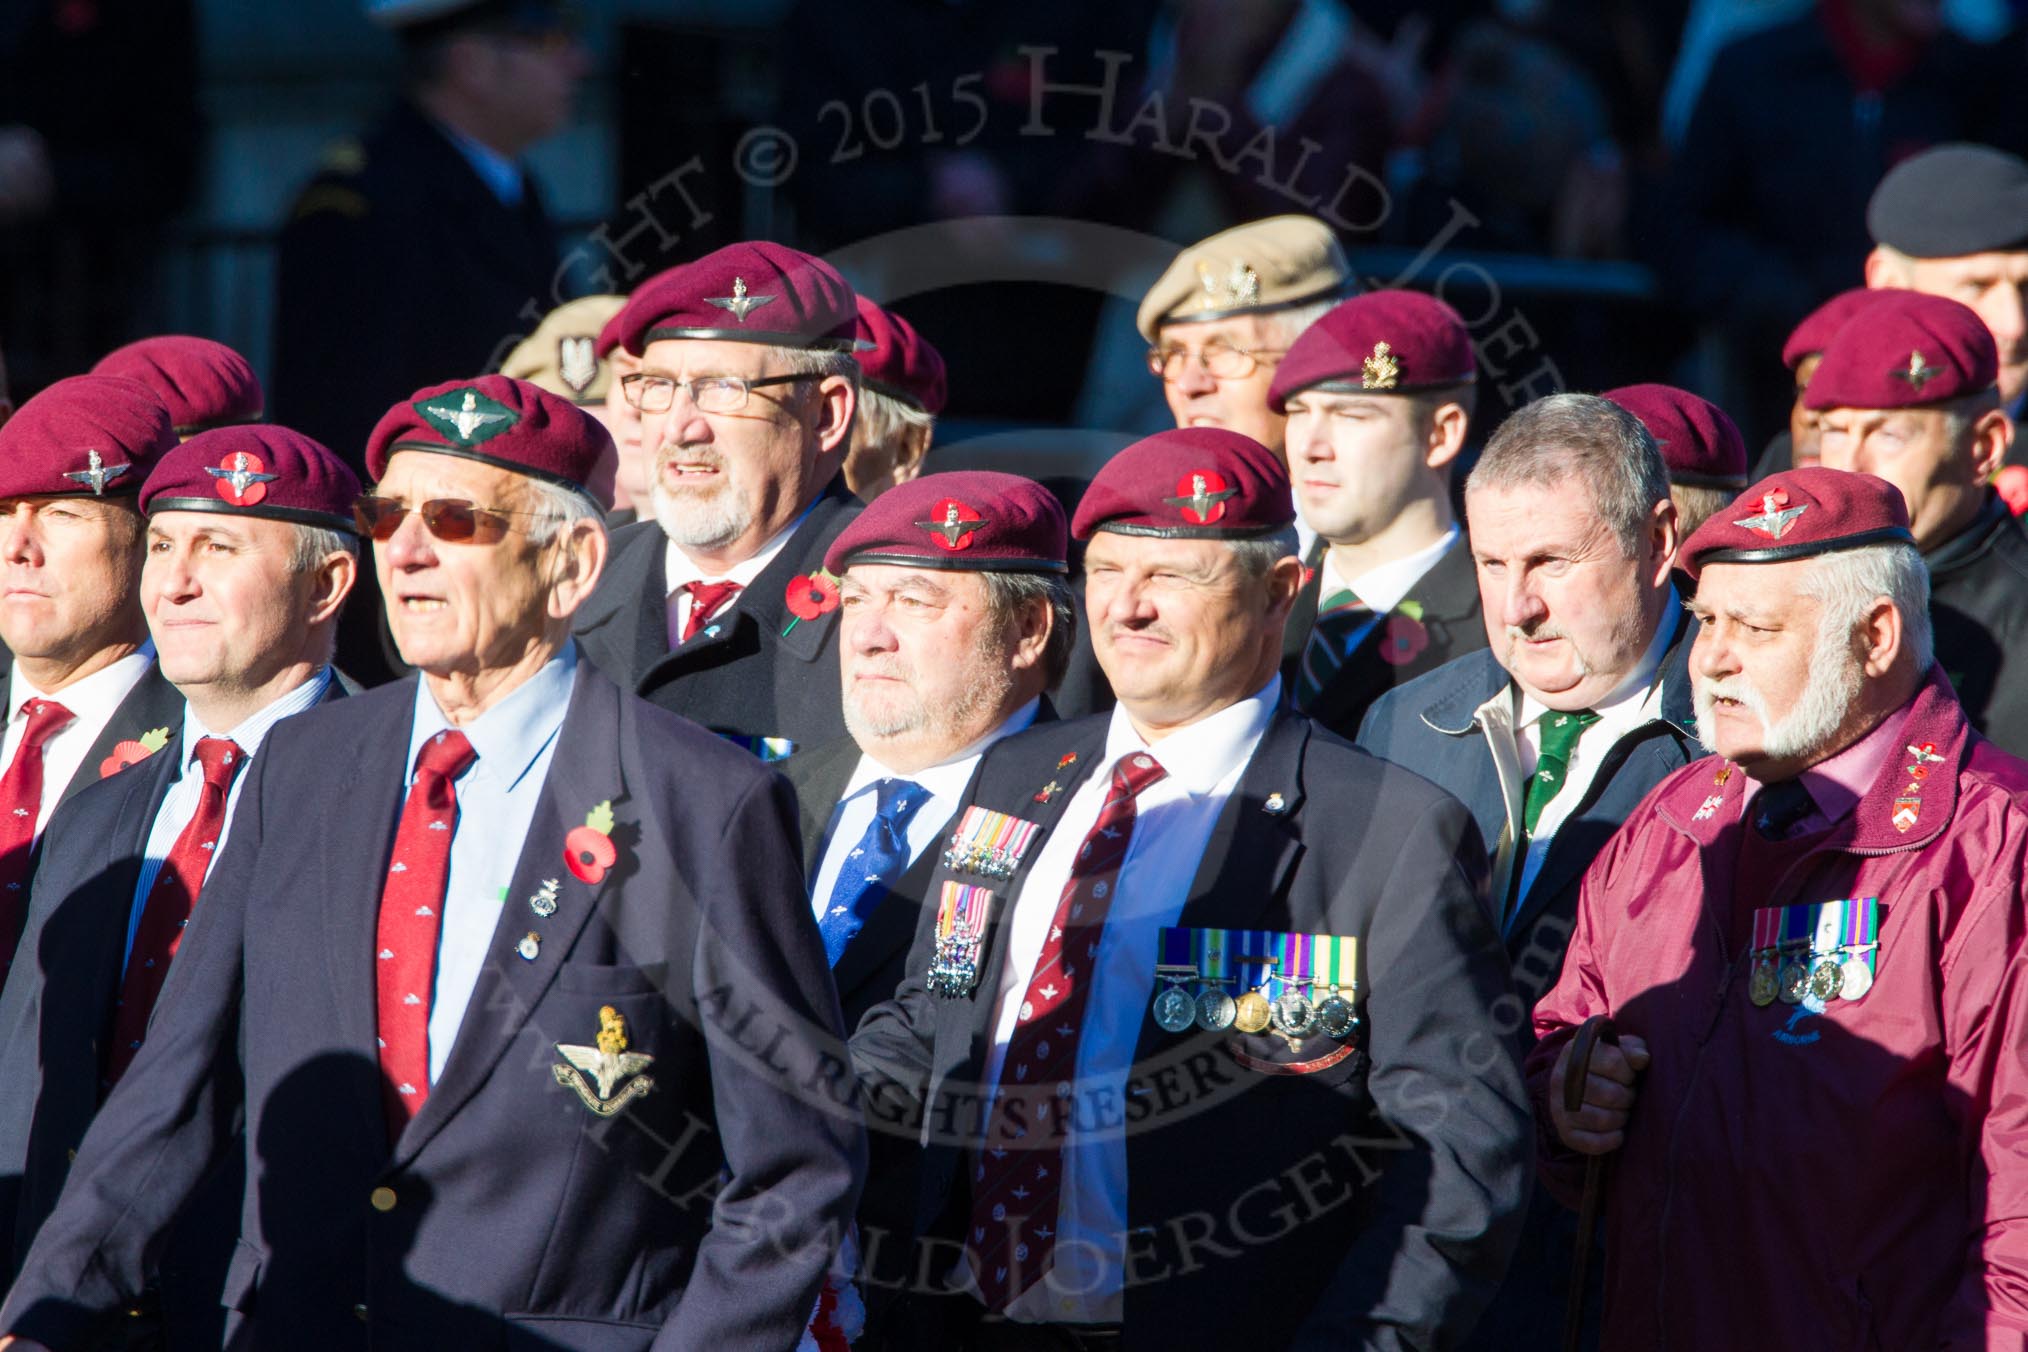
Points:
[(251, 551), (511, 974), (720, 608)]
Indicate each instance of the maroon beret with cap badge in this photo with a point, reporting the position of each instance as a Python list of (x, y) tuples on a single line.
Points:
[(1905, 350), (977, 521), (1798, 513), (261, 470), (1197, 483), (900, 363), (498, 421), (1821, 325), (85, 436), (1384, 342), (1700, 445), (202, 383), (752, 292)]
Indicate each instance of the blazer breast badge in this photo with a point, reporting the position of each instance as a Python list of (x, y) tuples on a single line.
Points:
[(607, 1065)]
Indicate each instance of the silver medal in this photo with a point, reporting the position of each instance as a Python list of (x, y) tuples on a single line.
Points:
[(1175, 1011), (1216, 1009), (1293, 1014)]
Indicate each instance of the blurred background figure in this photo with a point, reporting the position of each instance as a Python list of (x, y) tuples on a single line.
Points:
[(902, 388), (562, 356), (203, 384)]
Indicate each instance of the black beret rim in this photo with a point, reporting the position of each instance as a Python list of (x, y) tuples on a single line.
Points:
[(1345, 288), (1190, 532), (1805, 548), (1685, 480), (1333, 385), (765, 337), (896, 393), (301, 516), (192, 429), (952, 563), (498, 462)]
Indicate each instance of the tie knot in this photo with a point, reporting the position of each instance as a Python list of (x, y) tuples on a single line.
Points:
[(707, 597), (45, 717), (1344, 600), (1136, 772), (219, 758), (897, 800), (1778, 808), (445, 755), (1560, 730)]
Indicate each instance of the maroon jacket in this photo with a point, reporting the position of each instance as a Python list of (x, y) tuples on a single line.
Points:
[(1852, 1178)]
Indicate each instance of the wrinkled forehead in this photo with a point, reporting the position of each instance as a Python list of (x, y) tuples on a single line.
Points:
[(1760, 594)]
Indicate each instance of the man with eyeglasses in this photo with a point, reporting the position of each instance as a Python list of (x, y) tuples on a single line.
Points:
[(1226, 311), (415, 252), (512, 976), (720, 608), (251, 551)]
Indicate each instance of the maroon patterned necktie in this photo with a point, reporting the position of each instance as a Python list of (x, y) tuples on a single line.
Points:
[(20, 804), (1017, 1178), (706, 600), (405, 941), (170, 902)]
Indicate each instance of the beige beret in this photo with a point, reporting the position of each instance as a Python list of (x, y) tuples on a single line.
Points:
[(1252, 268), (561, 356)]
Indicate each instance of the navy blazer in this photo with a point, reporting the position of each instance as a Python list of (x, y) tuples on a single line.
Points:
[(1428, 725), (1276, 1196), (701, 1215), (741, 675)]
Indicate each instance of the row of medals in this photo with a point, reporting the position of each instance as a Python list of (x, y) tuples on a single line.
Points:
[(1828, 977), (1292, 1014)]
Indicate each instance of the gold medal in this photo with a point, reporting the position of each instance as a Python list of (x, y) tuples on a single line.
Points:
[(1765, 983), (1252, 1014)]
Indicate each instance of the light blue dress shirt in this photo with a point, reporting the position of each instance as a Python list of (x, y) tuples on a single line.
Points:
[(515, 741)]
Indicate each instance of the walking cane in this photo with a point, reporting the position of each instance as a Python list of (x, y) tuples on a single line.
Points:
[(1576, 1071)]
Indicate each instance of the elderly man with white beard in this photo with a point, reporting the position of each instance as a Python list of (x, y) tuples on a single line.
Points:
[(1812, 948)]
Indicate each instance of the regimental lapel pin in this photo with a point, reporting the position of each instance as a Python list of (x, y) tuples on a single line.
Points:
[(530, 946), (1048, 791), (739, 302), (97, 473), (577, 361), (543, 903), (1908, 803), (1381, 370), (241, 481), (1275, 805), (1067, 760), (1775, 515), (608, 1064), (1918, 372), (1707, 809)]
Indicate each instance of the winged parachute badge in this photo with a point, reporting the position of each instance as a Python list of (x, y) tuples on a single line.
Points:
[(1775, 516), (577, 361), (97, 473), (241, 479), (739, 302), (951, 524), (607, 1064), (1201, 496), (1918, 372), (470, 421)]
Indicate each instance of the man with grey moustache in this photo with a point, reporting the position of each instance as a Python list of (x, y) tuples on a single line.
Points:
[(1554, 734)]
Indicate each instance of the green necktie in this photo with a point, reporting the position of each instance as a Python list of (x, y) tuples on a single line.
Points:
[(1338, 619), (1560, 732)]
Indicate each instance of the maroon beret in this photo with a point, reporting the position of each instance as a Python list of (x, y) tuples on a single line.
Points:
[(978, 521), (1821, 325), (495, 420), (87, 436), (755, 292), (259, 470), (900, 363), (1906, 350), (1797, 513), (202, 383), (1391, 342), (1699, 443), (1200, 483)]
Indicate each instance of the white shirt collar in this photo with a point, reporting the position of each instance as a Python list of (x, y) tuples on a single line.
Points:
[(1206, 753), (948, 778), (1633, 692), (1383, 588), (678, 568), (93, 699), (253, 729)]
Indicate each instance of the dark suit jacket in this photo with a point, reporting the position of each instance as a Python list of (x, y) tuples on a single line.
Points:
[(1449, 597), (741, 675), (1409, 1213), (1978, 605), (507, 1214)]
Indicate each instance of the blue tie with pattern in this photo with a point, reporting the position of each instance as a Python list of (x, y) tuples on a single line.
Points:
[(874, 865)]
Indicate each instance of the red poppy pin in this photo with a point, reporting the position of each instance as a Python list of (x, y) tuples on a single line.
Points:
[(2012, 484), (588, 851), (810, 596), (1405, 637), (133, 751)]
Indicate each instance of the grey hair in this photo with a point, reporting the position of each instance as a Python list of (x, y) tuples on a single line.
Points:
[(814, 361), (1283, 327), (882, 419), (1847, 582), (314, 544), (556, 509), (1258, 557), (1007, 594), (1585, 437)]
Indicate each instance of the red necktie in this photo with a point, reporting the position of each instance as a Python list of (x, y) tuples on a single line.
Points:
[(1017, 1182), (405, 942), (170, 902), (706, 600), (20, 804)]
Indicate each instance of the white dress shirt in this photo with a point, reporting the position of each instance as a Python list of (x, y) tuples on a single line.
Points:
[(944, 783), (92, 702), (179, 805), (1174, 818), (679, 568), (515, 741)]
